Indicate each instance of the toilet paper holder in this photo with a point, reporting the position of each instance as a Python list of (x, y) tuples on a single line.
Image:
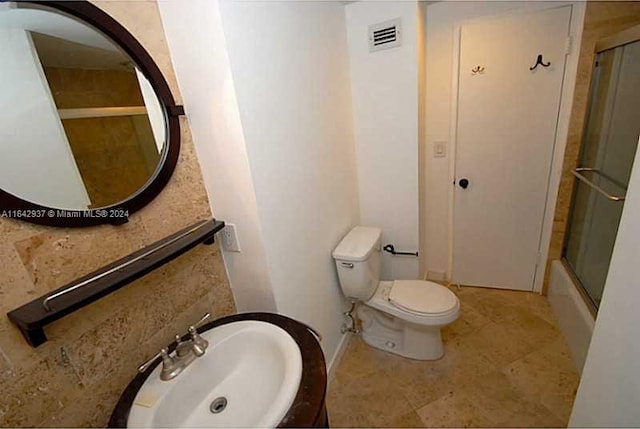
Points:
[(389, 248)]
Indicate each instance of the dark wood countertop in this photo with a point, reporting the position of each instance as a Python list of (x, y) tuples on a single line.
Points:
[(308, 408)]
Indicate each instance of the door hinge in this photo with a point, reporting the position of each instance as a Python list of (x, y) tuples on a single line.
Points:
[(538, 259), (568, 44)]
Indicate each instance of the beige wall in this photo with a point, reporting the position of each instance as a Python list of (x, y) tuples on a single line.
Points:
[(421, 34), (75, 378), (602, 19)]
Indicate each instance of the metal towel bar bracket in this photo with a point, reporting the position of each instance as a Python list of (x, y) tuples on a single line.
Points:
[(577, 173)]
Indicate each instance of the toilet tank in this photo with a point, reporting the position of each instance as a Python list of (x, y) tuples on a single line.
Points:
[(358, 262)]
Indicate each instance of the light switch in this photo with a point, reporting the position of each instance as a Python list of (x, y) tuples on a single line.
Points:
[(439, 149)]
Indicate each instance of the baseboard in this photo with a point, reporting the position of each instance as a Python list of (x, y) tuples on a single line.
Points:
[(337, 356), (436, 276)]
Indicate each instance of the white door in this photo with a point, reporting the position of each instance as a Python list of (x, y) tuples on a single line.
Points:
[(505, 135)]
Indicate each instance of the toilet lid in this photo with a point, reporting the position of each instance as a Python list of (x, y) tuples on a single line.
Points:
[(422, 297)]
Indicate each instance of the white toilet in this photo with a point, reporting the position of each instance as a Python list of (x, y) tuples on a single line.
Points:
[(402, 316)]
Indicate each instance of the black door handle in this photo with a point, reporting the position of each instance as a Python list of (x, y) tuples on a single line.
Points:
[(464, 183)]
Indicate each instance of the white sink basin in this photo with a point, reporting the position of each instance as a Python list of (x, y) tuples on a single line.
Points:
[(256, 366)]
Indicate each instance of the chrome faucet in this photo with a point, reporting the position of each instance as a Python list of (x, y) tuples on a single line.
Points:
[(185, 353)]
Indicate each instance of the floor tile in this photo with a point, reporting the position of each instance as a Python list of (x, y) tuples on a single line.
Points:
[(506, 364), (536, 331), (539, 305), (424, 381), (409, 420), (359, 359), (454, 409), (501, 343), (471, 321), (547, 376), (375, 396), (502, 404), (497, 305)]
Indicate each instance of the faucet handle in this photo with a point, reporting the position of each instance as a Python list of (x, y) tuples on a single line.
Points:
[(147, 364), (163, 353), (200, 322)]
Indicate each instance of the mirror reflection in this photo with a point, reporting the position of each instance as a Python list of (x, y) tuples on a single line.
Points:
[(82, 127)]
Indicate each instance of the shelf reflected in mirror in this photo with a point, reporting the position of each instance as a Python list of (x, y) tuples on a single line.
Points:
[(82, 126)]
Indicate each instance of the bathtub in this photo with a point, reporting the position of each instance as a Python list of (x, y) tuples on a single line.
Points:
[(575, 320)]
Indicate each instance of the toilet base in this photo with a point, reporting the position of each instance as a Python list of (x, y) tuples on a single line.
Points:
[(391, 334)]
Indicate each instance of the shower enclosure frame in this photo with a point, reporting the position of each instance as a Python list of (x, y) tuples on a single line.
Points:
[(622, 38)]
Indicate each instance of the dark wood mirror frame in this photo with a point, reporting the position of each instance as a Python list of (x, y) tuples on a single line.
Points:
[(18, 208)]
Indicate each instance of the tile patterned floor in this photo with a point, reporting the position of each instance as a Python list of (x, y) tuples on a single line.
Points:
[(506, 364)]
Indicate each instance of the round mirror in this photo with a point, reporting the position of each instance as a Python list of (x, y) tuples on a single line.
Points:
[(87, 117)]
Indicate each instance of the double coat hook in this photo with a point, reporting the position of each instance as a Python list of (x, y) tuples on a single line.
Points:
[(539, 62)]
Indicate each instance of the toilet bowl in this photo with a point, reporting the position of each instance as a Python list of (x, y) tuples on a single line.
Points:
[(402, 316)]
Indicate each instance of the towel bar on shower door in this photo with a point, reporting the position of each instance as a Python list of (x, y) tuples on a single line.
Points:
[(576, 172)]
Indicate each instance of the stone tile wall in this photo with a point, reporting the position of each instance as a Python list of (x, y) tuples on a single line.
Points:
[(602, 19), (76, 377)]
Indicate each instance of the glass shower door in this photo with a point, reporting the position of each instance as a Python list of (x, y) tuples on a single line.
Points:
[(608, 149)]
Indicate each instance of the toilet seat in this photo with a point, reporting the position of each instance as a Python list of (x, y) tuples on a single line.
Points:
[(380, 301), (422, 298)]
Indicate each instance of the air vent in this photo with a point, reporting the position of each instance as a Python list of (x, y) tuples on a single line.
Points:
[(384, 35)]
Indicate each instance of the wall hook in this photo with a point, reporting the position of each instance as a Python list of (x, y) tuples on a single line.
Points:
[(477, 69), (539, 62)]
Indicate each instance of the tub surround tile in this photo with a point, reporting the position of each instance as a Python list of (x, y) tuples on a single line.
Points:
[(513, 373)]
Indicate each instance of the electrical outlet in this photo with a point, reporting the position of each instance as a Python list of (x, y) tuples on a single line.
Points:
[(229, 238)]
